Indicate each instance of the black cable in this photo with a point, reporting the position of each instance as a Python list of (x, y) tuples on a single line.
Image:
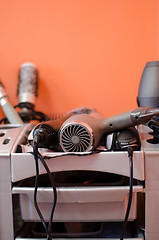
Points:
[(130, 155), (35, 152), (37, 156), (54, 195), (79, 154)]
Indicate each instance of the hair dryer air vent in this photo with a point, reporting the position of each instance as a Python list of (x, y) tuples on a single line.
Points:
[(76, 137)]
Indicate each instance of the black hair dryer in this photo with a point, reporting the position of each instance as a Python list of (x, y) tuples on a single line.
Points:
[(148, 94)]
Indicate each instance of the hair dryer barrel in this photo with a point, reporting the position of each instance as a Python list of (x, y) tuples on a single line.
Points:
[(128, 119)]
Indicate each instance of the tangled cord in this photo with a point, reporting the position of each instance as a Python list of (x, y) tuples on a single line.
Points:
[(28, 116)]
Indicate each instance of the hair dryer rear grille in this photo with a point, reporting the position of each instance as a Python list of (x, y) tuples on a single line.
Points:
[(75, 137)]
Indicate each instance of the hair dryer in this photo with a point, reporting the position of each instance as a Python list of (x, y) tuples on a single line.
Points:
[(148, 94), (48, 131), (83, 132)]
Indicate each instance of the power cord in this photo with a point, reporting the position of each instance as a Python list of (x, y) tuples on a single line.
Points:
[(37, 156), (130, 155), (35, 152)]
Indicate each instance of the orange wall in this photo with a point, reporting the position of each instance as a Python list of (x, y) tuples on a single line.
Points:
[(88, 52)]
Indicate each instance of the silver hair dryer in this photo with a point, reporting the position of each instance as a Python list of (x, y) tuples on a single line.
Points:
[(83, 132)]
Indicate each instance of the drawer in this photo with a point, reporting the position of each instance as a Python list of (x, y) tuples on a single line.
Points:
[(82, 230), (98, 203), (76, 238)]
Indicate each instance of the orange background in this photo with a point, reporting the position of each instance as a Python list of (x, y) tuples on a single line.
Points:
[(89, 52)]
